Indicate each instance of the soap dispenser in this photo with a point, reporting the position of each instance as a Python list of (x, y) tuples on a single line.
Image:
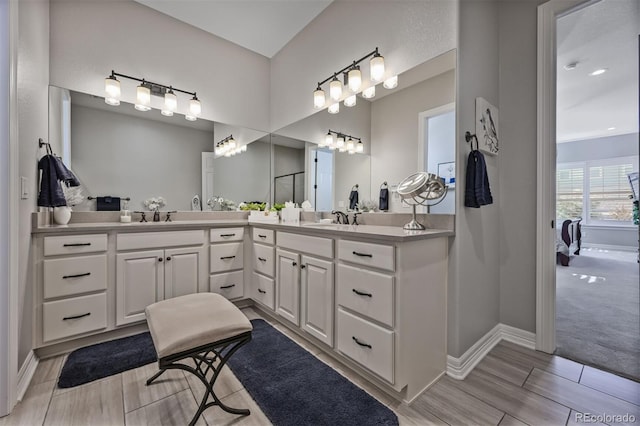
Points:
[(125, 214)]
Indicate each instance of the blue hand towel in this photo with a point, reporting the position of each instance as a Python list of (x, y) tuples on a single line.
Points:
[(50, 194), (353, 199), (384, 199), (477, 191)]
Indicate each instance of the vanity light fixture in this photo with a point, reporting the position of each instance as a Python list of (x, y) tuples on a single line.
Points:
[(342, 142), (144, 92), (353, 81), (228, 147)]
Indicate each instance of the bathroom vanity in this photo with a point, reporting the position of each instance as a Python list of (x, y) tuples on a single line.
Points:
[(373, 297)]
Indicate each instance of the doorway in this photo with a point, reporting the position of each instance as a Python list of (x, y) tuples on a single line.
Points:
[(321, 185)]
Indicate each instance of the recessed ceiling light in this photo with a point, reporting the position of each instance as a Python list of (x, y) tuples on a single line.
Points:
[(571, 66), (598, 72), (611, 128)]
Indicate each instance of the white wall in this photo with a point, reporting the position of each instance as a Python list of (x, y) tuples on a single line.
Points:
[(125, 156), (406, 32), (474, 280), (350, 170), (89, 38), (33, 81), (395, 128), (243, 177), (598, 148)]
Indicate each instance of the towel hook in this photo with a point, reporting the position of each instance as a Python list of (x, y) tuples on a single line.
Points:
[(384, 185), (355, 187), (42, 143), (470, 138)]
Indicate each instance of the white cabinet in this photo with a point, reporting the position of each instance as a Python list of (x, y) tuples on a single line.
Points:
[(317, 298), (263, 263), (144, 277), (226, 262), (288, 295)]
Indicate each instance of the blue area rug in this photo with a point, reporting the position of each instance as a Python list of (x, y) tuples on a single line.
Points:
[(293, 387), (95, 362)]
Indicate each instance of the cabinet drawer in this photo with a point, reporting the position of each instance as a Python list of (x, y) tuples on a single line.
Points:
[(230, 285), (74, 275), (73, 244), (366, 343), (221, 235), (226, 257), (164, 239), (263, 290), (266, 236), (68, 317), (375, 255), (314, 245), (366, 292), (264, 259)]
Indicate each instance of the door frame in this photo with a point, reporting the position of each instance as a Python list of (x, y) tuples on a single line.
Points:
[(546, 169)]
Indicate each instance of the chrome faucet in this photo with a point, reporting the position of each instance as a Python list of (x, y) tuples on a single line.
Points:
[(341, 217)]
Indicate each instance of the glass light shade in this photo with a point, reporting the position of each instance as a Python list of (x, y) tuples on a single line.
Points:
[(227, 154), (350, 101), (351, 152), (232, 143), (350, 144), (376, 68), (360, 147), (340, 141), (143, 98), (342, 149), (328, 140), (334, 108), (391, 82), (217, 150), (355, 79), (189, 117), (369, 92), (332, 147), (112, 91), (195, 108), (319, 98), (243, 148), (335, 89), (170, 103)]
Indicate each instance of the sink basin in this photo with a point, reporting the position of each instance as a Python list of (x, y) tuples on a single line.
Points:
[(323, 225)]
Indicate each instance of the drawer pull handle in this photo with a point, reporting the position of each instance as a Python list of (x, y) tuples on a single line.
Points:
[(227, 286), (262, 236), (76, 244), (262, 259), (362, 254), (168, 258), (366, 345), (227, 235), (303, 266), (261, 291), (359, 293), (76, 316), (160, 259), (227, 257), (86, 274), (294, 263)]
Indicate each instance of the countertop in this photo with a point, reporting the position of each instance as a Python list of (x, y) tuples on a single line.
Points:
[(377, 232)]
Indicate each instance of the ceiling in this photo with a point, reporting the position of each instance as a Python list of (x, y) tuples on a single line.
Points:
[(603, 35), (263, 26)]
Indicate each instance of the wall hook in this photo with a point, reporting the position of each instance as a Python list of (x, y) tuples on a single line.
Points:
[(470, 138)]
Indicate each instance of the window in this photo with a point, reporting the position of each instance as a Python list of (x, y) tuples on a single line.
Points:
[(597, 191)]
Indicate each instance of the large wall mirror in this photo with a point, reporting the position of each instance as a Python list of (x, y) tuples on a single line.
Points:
[(404, 130), (121, 152)]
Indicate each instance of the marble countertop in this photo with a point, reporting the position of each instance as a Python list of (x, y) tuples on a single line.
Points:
[(377, 232)]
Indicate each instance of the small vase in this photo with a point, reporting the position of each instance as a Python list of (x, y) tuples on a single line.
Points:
[(156, 216), (62, 215)]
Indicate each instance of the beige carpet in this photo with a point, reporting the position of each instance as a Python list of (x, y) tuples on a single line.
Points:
[(598, 311)]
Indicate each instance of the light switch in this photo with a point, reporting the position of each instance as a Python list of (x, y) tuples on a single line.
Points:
[(24, 188)]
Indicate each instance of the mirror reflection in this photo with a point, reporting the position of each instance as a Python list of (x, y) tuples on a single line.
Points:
[(122, 152)]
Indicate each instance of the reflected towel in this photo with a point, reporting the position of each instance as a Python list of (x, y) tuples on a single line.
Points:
[(107, 204), (353, 199), (384, 199)]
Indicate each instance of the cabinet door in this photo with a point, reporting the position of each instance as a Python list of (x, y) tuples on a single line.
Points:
[(184, 271), (139, 283), (317, 298), (288, 292)]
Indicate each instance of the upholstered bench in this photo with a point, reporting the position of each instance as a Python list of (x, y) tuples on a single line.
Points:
[(203, 327)]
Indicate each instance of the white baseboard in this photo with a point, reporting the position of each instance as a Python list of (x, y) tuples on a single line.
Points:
[(608, 247), (459, 368), (26, 373)]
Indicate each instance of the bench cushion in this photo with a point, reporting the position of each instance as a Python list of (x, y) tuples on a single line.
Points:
[(194, 320)]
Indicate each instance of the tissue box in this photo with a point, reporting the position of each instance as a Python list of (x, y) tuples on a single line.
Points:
[(290, 215), (261, 217)]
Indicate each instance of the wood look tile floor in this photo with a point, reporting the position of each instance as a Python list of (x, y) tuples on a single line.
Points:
[(511, 386)]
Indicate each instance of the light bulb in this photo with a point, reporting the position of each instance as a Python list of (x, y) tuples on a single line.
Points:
[(112, 91), (190, 117), (335, 89), (369, 92), (143, 98), (334, 108), (350, 101), (355, 79), (360, 147), (350, 145), (391, 82), (232, 143), (376, 68), (195, 108), (318, 98), (328, 140), (340, 141), (170, 103)]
